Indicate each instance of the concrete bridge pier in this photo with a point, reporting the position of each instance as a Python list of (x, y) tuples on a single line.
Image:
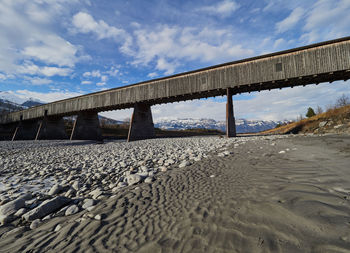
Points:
[(87, 127), (230, 117), (26, 130), (141, 123), (51, 128)]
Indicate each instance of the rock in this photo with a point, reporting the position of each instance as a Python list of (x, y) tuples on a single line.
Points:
[(58, 228), (73, 209), (282, 152), (212, 176), (35, 223), (133, 179), (45, 208), (98, 217), (55, 189), (70, 193), (96, 193), (76, 185), (90, 208), (62, 211), (20, 212), (170, 161), (322, 124), (149, 180), (10, 208), (88, 203), (143, 175), (163, 169), (184, 164)]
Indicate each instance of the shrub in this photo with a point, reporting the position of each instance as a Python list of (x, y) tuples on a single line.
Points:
[(310, 112)]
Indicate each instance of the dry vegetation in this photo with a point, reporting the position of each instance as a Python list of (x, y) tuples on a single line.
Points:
[(335, 120)]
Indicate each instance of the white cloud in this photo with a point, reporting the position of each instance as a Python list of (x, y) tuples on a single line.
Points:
[(327, 19), (32, 69), (45, 97), (113, 71), (84, 23), (168, 46), (94, 73), (279, 42), (27, 33), (86, 82), (2, 77), (168, 67), (100, 83), (290, 21), (118, 115), (52, 49), (153, 74), (104, 79), (40, 81), (224, 8)]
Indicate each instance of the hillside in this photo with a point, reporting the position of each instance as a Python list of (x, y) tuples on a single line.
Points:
[(336, 120)]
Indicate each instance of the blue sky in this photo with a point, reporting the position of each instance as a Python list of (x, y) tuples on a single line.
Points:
[(54, 49)]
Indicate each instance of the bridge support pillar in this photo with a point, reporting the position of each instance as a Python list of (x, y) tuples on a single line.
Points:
[(87, 127), (26, 130), (51, 128), (141, 123), (230, 118)]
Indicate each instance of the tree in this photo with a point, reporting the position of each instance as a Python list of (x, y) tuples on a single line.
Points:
[(310, 112), (343, 100), (319, 110)]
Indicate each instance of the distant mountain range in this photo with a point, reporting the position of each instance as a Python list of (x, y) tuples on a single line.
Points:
[(8, 103), (242, 125)]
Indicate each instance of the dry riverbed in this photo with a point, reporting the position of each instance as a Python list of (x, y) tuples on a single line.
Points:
[(207, 194)]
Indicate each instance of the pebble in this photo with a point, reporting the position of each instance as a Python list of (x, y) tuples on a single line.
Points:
[(73, 209), (96, 193), (98, 217), (184, 164), (35, 223), (88, 203), (45, 208), (149, 180), (58, 228), (55, 189), (133, 179)]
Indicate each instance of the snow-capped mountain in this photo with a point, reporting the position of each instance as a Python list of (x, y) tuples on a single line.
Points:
[(242, 125), (9, 103)]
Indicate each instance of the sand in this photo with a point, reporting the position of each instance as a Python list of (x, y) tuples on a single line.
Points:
[(258, 199)]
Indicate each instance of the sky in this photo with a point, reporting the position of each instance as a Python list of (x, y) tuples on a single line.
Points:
[(55, 49)]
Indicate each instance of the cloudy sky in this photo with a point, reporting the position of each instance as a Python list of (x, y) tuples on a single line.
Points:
[(54, 49)]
